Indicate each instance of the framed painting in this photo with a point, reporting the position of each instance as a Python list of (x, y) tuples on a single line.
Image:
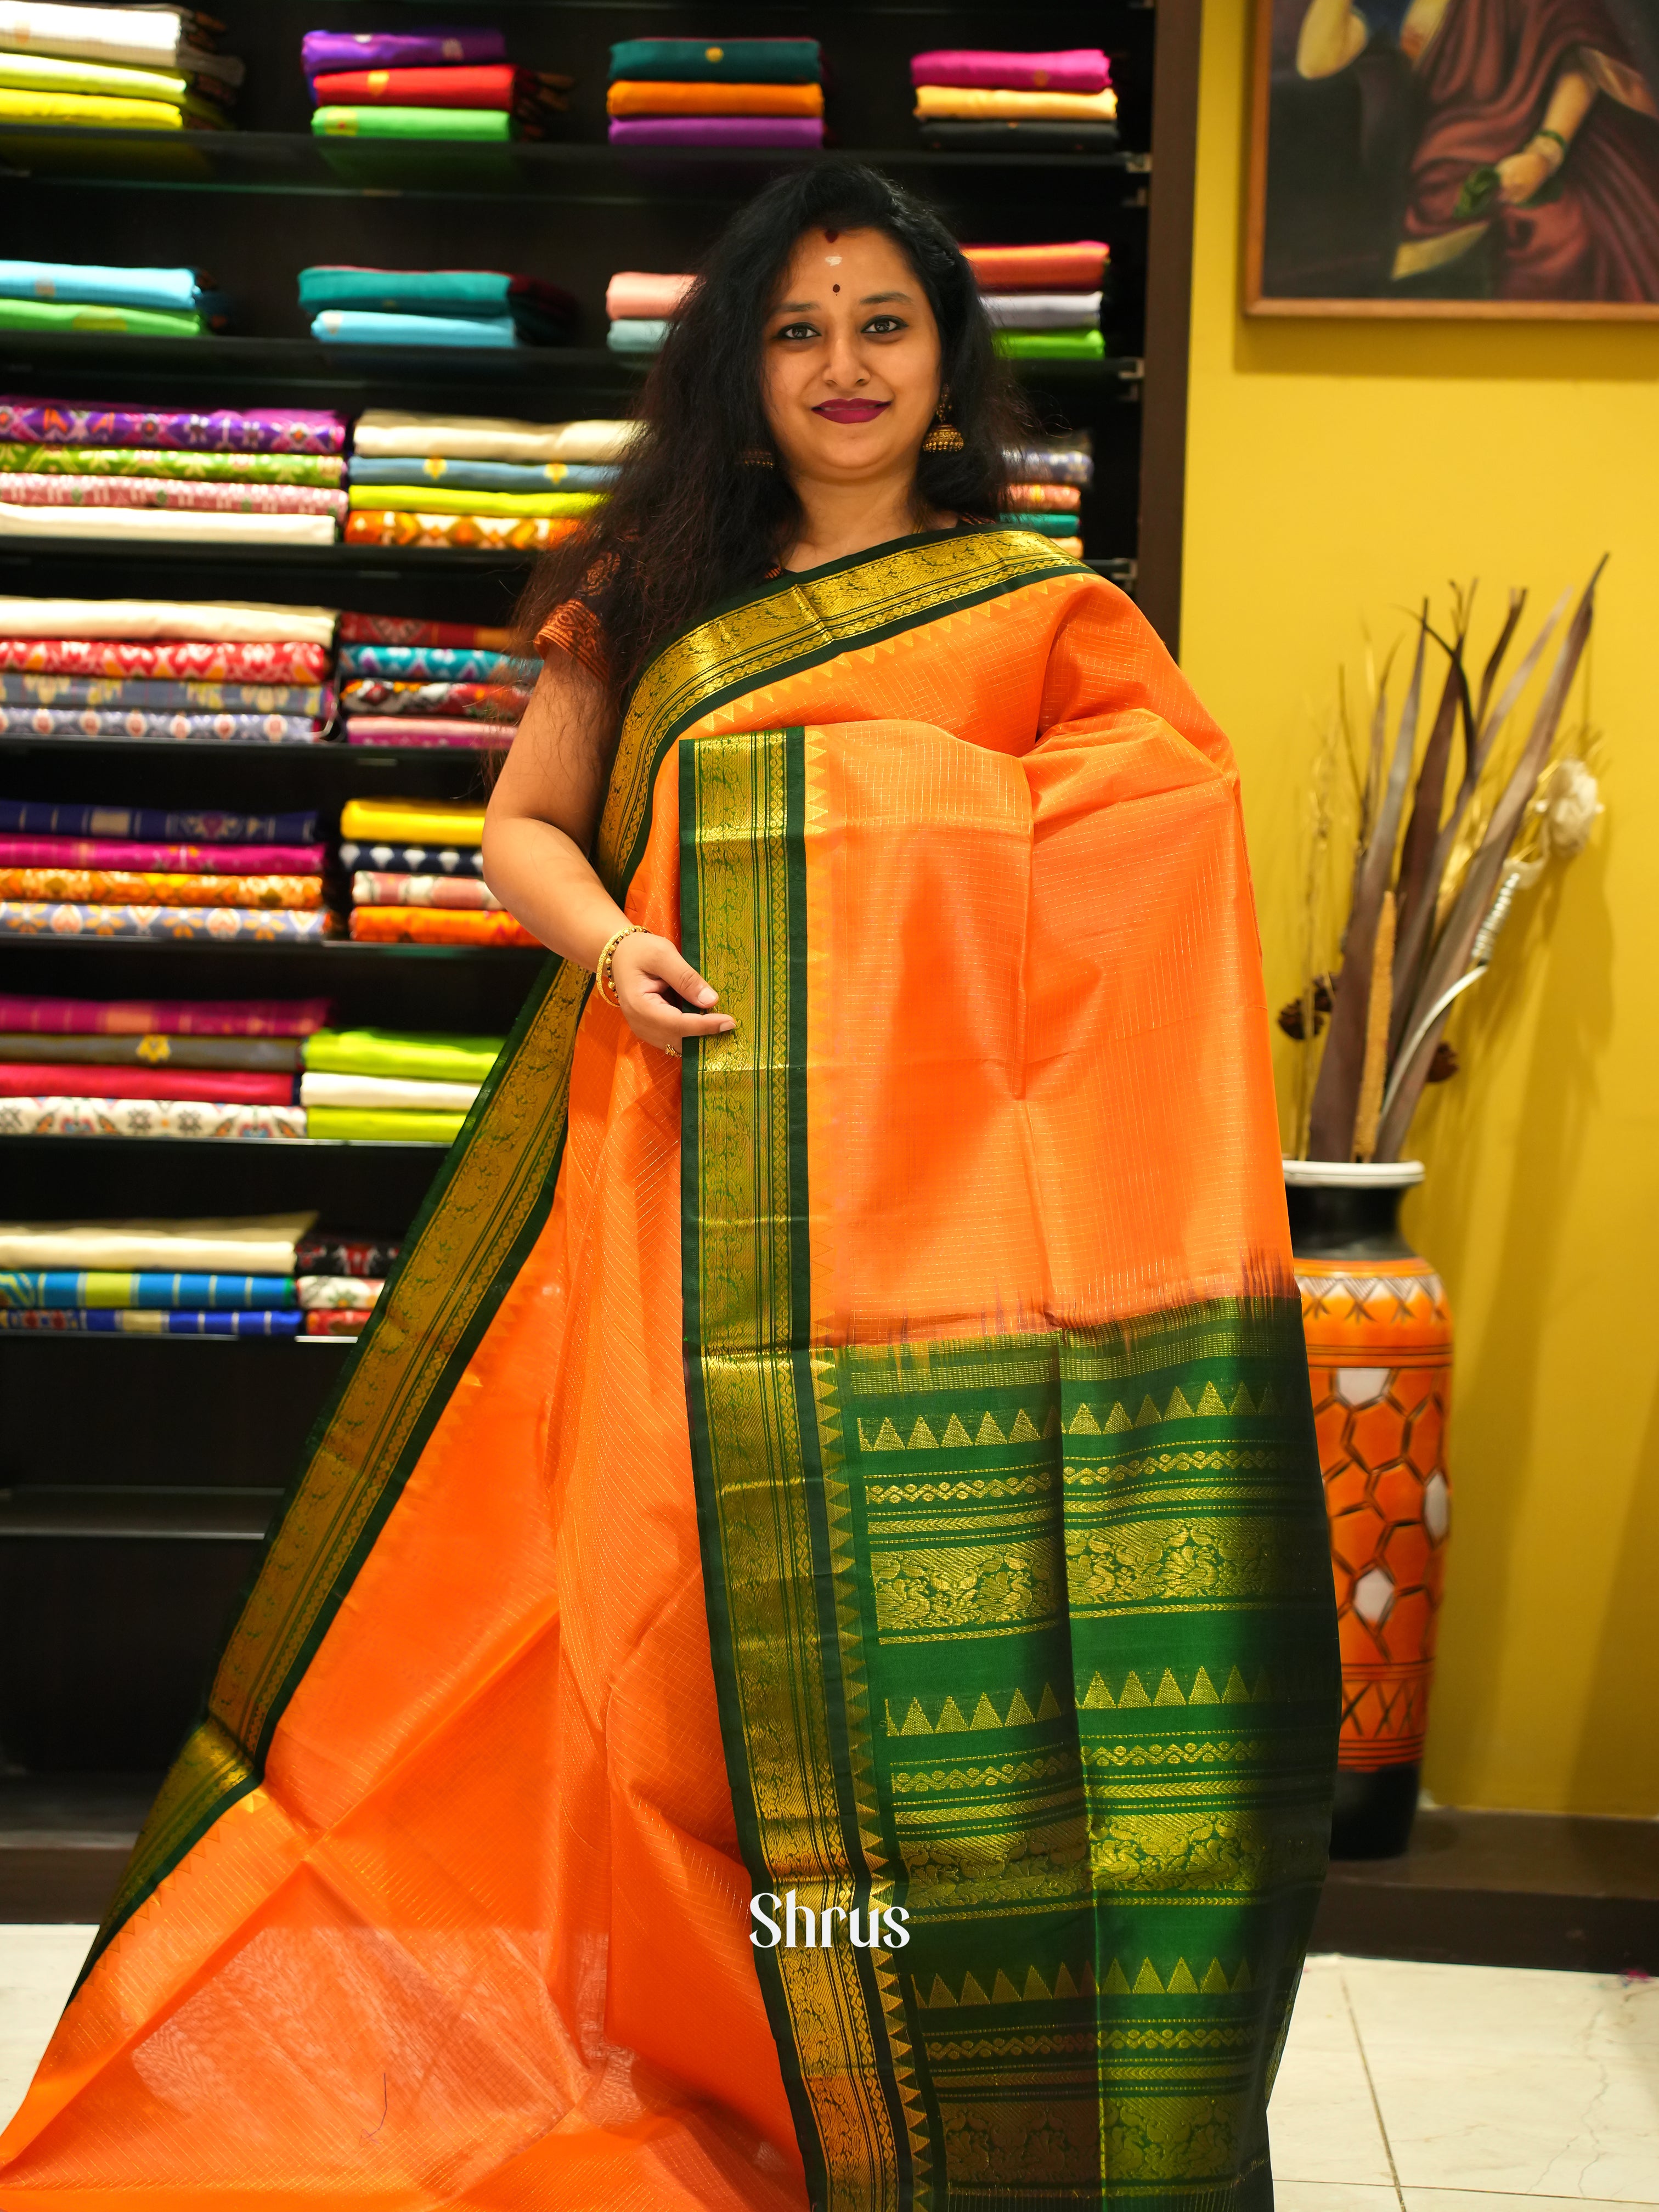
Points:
[(1455, 158)]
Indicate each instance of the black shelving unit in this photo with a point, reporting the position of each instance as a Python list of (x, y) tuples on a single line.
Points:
[(136, 1475)]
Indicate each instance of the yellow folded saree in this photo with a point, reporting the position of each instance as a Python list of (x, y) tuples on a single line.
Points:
[(967, 103), (867, 1462)]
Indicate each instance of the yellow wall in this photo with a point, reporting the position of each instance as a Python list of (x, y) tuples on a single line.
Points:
[(1337, 472)]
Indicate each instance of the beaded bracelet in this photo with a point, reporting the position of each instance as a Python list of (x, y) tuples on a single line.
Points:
[(603, 976)]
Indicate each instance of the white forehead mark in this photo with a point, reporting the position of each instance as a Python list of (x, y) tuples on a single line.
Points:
[(834, 260)]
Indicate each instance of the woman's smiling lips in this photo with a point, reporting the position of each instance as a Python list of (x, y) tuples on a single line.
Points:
[(851, 410)]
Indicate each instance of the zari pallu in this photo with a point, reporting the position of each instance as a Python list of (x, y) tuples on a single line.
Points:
[(972, 1561)]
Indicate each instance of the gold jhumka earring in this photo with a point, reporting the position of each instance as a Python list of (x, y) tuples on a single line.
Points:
[(943, 437)]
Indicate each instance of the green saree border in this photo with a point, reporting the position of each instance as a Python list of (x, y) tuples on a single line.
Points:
[(1032, 1634), (401, 1373)]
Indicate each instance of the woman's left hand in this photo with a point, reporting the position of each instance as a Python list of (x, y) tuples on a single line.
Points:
[(1523, 175)]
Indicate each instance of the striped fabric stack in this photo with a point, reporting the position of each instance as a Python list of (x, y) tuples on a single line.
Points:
[(974, 100), (1044, 299), (684, 93), (162, 668), (126, 1068), (469, 481), (641, 306), (110, 871), (474, 308), (405, 681), (86, 295), (416, 872), (213, 1278), (392, 1086), (259, 476), (338, 1279), (1049, 479), (114, 69), (451, 84)]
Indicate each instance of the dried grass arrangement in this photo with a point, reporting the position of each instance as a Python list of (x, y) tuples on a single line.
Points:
[(1434, 881)]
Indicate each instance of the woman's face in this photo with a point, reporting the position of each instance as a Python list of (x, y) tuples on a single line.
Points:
[(850, 365)]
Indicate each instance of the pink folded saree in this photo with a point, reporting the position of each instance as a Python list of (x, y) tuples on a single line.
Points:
[(1075, 68)]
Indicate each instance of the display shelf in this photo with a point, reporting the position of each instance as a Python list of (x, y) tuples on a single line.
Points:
[(185, 1513), (575, 172), (309, 372)]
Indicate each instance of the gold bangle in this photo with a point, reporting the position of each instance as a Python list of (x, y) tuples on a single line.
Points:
[(603, 977)]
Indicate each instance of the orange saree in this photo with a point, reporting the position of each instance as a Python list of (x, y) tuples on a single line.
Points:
[(867, 1462)]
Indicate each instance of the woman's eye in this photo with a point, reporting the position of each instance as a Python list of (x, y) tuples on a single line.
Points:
[(883, 326), (796, 330)]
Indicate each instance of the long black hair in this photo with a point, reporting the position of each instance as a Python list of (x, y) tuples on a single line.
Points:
[(690, 523)]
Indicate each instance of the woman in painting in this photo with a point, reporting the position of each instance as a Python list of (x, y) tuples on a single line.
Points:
[(1535, 162), (836, 1446)]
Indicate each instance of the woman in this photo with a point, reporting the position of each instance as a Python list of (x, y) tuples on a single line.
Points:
[(1536, 166), (838, 1446)]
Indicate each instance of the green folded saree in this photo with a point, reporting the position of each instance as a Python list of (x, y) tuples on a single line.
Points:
[(384, 1125), (470, 123), (1051, 345), (69, 315), (436, 499), (413, 1057), (54, 73), (196, 468)]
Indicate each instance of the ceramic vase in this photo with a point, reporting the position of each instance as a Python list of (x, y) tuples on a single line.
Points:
[(1379, 1354)]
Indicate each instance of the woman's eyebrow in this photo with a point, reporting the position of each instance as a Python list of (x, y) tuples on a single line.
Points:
[(871, 299), (794, 306)]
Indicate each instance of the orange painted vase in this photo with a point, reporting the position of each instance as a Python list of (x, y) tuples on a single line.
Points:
[(1379, 1338)]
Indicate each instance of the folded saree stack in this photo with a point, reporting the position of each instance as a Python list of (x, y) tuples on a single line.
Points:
[(970, 99), (642, 305), (114, 69), (417, 873), (70, 872), (435, 306), (468, 481), (137, 1067), (112, 469), (1044, 299), (1048, 478), (211, 1277), (75, 296), (390, 1086), (430, 684), (164, 669), (340, 1278), (716, 92), (447, 84)]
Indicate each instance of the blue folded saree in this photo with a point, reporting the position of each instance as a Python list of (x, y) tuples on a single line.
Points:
[(63, 1288), (485, 475), (637, 334), (353, 327), (92, 283)]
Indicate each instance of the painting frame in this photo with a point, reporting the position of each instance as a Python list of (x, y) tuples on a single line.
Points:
[(1258, 302)]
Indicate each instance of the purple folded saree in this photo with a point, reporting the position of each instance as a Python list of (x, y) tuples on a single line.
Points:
[(1075, 68), (321, 52), (426, 730), (683, 130), (224, 430)]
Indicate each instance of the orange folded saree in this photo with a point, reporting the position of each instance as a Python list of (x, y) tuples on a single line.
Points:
[(861, 1470), (638, 97)]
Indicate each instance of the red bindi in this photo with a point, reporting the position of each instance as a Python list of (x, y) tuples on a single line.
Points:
[(835, 288)]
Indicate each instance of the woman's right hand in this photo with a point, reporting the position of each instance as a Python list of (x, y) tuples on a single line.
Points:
[(648, 973)]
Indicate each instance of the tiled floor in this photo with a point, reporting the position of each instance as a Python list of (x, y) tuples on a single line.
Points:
[(1467, 2089), (1405, 2088)]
